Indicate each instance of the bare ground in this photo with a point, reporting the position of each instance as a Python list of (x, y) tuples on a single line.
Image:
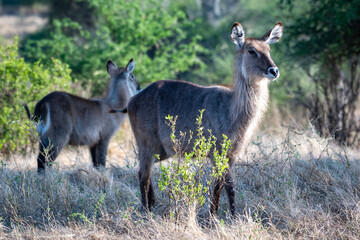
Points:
[(22, 23), (292, 185)]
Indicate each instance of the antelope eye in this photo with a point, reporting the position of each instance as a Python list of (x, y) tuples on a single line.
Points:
[(251, 52)]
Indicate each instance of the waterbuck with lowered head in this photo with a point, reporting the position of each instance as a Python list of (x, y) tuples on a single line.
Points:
[(62, 118), (234, 111)]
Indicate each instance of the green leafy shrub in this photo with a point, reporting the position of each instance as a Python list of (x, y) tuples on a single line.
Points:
[(156, 37), (22, 81), (188, 179)]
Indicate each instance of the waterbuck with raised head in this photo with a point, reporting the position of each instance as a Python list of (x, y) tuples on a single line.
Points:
[(234, 111), (63, 118)]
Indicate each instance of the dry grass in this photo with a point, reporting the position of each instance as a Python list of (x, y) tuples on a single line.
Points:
[(292, 185)]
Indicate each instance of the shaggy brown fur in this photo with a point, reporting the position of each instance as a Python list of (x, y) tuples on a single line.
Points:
[(64, 119), (234, 112)]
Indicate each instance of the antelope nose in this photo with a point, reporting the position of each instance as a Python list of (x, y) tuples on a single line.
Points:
[(273, 71), (139, 88)]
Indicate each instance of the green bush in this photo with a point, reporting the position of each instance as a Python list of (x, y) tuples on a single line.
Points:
[(22, 81), (187, 180), (155, 36)]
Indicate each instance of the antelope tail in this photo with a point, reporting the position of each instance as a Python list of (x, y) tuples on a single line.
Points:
[(27, 111)]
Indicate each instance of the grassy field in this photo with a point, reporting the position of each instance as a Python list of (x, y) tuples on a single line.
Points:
[(290, 184)]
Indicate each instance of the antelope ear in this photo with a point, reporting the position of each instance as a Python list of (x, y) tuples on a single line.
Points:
[(130, 66), (111, 67), (274, 34), (237, 35)]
